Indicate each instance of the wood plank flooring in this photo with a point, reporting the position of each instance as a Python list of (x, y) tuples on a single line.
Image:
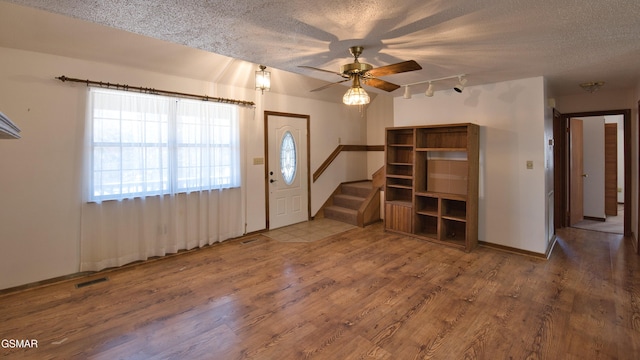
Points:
[(361, 294)]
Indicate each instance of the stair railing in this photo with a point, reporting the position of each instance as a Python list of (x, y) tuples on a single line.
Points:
[(338, 150)]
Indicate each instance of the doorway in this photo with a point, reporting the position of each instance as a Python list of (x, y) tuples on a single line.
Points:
[(287, 184), (567, 179)]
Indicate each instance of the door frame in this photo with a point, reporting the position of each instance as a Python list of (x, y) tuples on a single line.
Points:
[(561, 152), (575, 180), (266, 159)]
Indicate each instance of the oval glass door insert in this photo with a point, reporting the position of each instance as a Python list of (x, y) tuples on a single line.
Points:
[(288, 158)]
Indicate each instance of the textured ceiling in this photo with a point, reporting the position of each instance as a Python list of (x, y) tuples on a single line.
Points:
[(567, 41)]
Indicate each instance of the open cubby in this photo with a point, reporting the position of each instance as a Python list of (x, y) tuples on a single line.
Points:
[(400, 155), (453, 231), (432, 183), (400, 137), (399, 181), (426, 225), (398, 194), (445, 138), (400, 169), (427, 205), (454, 209)]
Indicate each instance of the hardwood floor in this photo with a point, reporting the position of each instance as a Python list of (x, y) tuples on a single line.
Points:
[(360, 294)]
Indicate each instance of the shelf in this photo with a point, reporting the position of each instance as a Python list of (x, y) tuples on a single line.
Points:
[(427, 213), (400, 203), (399, 186), (399, 176), (428, 194), (452, 218), (460, 197), (443, 149)]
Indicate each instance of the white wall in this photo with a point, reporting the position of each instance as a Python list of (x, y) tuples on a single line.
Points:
[(512, 204), (40, 182)]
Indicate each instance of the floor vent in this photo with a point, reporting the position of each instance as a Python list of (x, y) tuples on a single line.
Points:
[(91, 282), (248, 241)]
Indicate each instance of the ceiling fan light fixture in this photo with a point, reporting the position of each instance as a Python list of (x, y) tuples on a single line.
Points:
[(356, 94), (592, 86), (429, 92), (462, 81), (263, 79)]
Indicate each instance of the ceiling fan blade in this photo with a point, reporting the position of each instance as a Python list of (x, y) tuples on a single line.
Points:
[(313, 68), (381, 84), (394, 68), (329, 85)]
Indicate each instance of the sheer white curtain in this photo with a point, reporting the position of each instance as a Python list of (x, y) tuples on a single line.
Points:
[(161, 175)]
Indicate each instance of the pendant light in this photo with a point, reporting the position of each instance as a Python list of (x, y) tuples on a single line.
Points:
[(263, 79)]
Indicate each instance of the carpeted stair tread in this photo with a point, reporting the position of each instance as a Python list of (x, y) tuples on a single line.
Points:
[(348, 201)]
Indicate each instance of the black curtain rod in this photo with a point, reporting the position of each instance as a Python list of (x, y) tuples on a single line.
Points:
[(156, 91)]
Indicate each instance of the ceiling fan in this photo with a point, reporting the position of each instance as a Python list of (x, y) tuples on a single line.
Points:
[(358, 73)]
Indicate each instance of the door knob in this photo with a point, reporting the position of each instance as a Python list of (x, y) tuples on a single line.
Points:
[(585, 175), (272, 181)]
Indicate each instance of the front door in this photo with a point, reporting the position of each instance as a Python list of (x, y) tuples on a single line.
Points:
[(576, 172), (287, 170)]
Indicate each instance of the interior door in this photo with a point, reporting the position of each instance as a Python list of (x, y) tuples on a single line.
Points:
[(287, 171), (576, 172), (611, 169)]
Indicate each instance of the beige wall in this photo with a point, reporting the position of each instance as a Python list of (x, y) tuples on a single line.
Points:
[(513, 199), (41, 175)]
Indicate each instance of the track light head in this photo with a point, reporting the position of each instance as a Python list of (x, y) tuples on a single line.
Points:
[(461, 82), (429, 92), (407, 92)]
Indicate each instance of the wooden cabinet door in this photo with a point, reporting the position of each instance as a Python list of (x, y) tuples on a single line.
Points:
[(398, 218)]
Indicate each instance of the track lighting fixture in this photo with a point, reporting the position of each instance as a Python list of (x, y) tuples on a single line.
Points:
[(429, 92), (430, 89), (461, 82)]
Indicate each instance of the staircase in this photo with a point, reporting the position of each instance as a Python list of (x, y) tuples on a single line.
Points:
[(356, 203)]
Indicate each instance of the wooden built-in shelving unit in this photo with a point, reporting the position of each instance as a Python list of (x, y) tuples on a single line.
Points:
[(431, 187)]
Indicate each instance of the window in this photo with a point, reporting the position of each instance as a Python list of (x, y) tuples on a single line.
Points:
[(144, 145), (288, 158)]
